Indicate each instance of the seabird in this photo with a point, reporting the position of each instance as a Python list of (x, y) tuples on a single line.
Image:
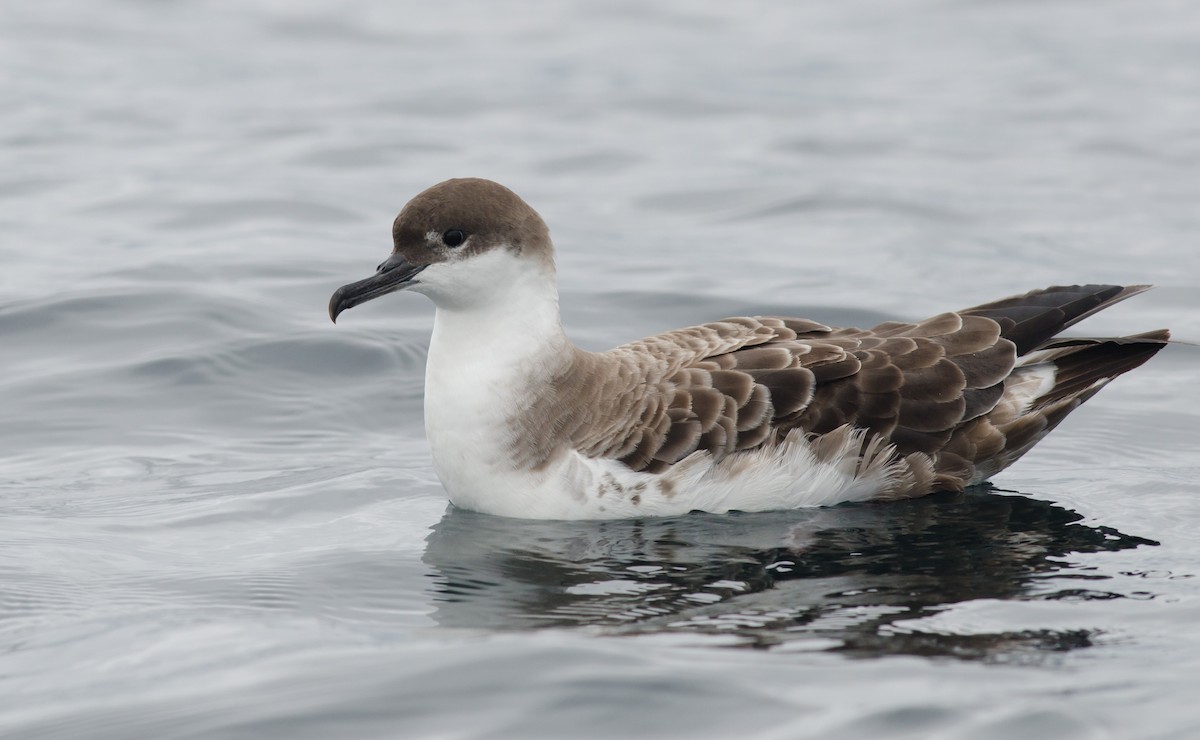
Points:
[(747, 413)]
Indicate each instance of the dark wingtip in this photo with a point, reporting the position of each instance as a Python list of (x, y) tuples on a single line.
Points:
[(1034, 318)]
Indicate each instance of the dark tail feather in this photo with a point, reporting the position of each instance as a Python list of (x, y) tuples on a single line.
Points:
[(1032, 319), (1083, 367), (1084, 362)]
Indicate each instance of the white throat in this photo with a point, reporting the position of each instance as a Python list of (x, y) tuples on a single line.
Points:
[(493, 309)]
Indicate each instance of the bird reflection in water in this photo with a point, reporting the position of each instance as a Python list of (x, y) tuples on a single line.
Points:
[(847, 578)]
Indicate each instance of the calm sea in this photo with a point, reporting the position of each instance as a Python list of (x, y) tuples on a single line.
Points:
[(218, 517)]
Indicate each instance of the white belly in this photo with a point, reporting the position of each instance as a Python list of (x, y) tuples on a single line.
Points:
[(477, 477)]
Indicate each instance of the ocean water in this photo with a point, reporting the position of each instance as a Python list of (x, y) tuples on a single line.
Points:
[(218, 518)]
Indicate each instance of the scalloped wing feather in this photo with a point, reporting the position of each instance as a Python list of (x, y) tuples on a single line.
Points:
[(949, 399)]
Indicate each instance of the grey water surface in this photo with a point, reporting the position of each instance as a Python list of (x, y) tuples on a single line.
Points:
[(218, 517)]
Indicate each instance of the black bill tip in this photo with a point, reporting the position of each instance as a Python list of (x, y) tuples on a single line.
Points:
[(394, 274)]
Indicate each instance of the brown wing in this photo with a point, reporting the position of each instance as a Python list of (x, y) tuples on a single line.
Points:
[(653, 402), (928, 388), (912, 383)]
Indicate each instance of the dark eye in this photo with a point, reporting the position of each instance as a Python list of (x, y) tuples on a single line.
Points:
[(454, 237)]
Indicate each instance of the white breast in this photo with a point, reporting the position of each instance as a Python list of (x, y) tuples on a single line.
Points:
[(484, 359)]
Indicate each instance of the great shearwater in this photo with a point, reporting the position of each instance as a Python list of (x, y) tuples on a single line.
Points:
[(747, 413)]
